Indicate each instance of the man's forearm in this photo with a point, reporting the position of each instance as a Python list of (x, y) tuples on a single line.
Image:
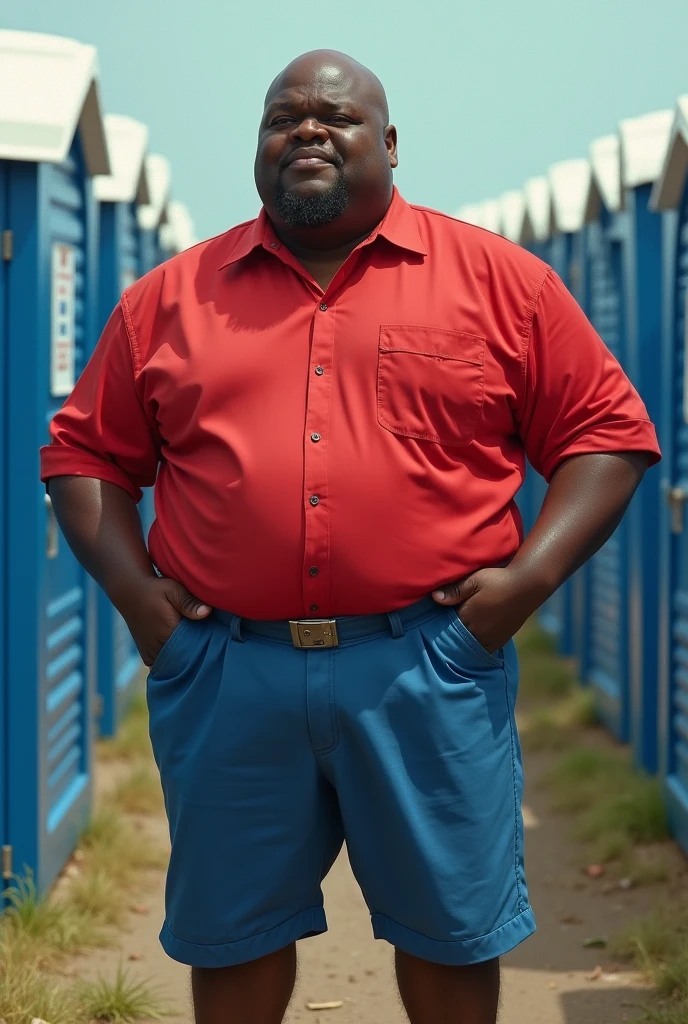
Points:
[(584, 504), (102, 526)]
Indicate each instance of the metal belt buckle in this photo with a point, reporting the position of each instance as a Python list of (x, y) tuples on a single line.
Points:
[(314, 632)]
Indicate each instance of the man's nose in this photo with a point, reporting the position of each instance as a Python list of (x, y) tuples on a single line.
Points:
[(310, 129)]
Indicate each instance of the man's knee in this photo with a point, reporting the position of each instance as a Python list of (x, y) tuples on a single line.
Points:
[(258, 990)]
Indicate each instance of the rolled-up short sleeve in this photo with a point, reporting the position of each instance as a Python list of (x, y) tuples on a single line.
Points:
[(577, 399), (102, 430)]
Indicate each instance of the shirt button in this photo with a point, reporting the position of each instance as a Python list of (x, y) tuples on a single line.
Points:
[(314, 607), (323, 307), (314, 500), (319, 370), (314, 570), (315, 437)]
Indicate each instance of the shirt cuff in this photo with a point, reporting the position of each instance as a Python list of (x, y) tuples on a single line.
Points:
[(607, 438), (59, 460)]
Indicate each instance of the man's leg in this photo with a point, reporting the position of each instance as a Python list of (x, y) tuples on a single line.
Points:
[(255, 825), (437, 994), (258, 991)]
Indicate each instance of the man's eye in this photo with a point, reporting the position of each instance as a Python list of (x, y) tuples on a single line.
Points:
[(279, 122), (340, 119)]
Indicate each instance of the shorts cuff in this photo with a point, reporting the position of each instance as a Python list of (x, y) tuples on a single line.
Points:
[(227, 954), (457, 952)]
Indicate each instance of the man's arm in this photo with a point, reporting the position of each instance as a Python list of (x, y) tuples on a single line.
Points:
[(585, 429), (104, 451), (584, 504), (101, 524)]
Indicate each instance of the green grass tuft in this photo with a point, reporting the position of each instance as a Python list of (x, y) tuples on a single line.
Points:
[(584, 775), (544, 677), (27, 993), (122, 1001), (557, 726), (111, 844), (132, 742), (38, 933), (658, 937), (43, 927), (531, 639), (97, 896), (140, 792), (637, 813)]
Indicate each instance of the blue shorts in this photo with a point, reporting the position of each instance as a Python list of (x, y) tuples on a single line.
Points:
[(401, 741)]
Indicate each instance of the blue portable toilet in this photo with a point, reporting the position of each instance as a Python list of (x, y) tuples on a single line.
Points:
[(514, 225), (670, 196), (512, 207), (179, 232), (507, 216), (470, 213), (606, 638), (568, 183), (643, 145), (151, 219), (490, 213), (153, 216), (536, 228), (52, 143), (122, 260), (538, 220)]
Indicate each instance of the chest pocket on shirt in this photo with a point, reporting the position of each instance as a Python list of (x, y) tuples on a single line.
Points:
[(430, 383)]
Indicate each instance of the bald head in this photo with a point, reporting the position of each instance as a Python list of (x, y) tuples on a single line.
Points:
[(326, 150), (336, 70)]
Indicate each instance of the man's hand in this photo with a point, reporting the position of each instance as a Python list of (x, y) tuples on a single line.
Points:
[(154, 609), (584, 503), (493, 604)]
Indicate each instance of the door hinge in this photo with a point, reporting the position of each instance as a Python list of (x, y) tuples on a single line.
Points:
[(7, 246), (7, 866), (98, 705), (676, 499)]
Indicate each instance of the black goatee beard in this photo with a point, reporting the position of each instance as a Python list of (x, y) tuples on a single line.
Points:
[(311, 211)]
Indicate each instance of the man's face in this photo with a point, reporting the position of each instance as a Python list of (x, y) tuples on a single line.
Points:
[(322, 148)]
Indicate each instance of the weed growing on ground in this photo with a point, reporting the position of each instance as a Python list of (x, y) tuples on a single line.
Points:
[(111, 844), (531, 640), (140, 792), (27, 993), (658, 946), (95, 895), (37, 934), (620, 814), (132, 742), (40, 928), (659, 937), (112, 856), (619, 807), (557, 727), (124, 1000), (584, 775)]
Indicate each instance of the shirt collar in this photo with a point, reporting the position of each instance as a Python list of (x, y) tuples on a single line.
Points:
[(398, 226)]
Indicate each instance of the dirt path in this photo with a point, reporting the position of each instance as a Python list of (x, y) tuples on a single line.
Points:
[(546, 981)]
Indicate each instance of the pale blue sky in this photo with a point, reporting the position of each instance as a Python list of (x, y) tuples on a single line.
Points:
[(484, 94)]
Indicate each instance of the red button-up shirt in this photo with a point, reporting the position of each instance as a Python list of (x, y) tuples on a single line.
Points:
[(341, 452)]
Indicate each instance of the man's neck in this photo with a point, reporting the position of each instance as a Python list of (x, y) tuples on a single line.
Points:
[(323, 264), (323, 250)]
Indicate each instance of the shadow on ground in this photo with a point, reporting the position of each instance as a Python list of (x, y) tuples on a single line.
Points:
[(606, 1005)]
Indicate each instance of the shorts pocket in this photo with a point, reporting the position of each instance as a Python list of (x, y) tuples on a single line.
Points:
[(168, 646), (430, 383), (495, 659)]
